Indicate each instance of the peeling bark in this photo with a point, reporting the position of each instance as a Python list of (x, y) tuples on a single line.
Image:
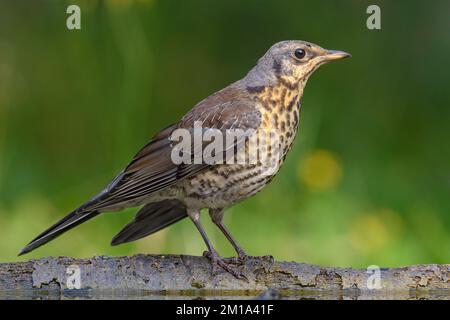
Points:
[(150, 275)]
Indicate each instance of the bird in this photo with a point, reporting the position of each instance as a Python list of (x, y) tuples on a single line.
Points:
[(267, 99)]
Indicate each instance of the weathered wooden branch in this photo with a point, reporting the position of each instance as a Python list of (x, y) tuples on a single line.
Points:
[(184, 275)]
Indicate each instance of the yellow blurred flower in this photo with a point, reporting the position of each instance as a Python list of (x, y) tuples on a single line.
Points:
[(374, 231), (320, 170)]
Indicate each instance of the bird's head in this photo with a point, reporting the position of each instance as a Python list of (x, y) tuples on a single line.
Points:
[(294, 60)]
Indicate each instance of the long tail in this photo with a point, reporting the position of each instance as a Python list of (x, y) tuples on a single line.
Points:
[(68, 222), (150, 219)]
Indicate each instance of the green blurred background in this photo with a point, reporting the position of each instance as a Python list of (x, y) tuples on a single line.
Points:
[(367, 181)]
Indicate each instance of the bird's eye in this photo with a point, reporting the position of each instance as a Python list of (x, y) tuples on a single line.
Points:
[(300, 53)]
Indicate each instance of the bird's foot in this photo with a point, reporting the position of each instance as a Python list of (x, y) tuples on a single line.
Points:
[(218, 261), (267, 262), (243, 257), (269, 258), (240, 259)]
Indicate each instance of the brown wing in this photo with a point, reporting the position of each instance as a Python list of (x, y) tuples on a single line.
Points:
[(152, 169)]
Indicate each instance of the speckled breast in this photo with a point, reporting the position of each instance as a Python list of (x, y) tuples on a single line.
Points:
[(280, 109), (224, 185)]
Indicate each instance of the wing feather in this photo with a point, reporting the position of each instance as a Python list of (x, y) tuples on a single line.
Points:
[(152, 168)]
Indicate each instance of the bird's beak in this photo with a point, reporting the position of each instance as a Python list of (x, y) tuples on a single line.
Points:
[(335, 55)]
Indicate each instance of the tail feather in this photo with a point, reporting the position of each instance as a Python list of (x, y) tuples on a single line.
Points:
[(70, 221), (150, 219)]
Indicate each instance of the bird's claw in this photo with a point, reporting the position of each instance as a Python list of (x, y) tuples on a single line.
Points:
[(240, 259), (224, 263), (235, 260), (269, 258)]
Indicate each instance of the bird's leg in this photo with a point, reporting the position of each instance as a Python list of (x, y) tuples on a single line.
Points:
[(212, 254), (217, 219)]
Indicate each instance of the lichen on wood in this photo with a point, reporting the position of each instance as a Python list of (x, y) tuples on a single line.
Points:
[(188, 275)]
